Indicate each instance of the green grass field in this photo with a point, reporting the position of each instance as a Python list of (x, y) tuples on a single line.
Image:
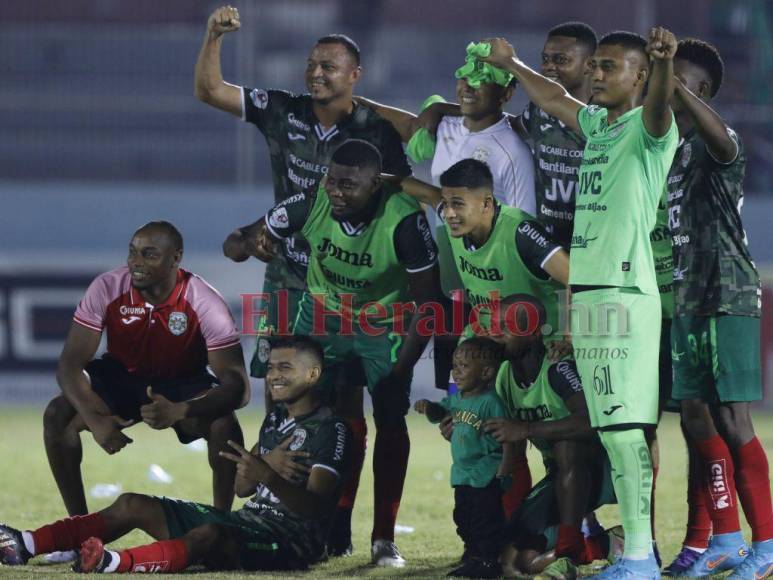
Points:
[(28, 495)]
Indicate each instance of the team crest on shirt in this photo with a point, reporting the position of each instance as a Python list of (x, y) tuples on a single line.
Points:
[(686, 154), (480, 154), (278, 218), (178, 323), (259, 98), (264, 350), (299, 438)]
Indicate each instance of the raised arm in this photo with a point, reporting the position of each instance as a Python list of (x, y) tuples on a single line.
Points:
[(708, 123), (548, 95), (419, 190), (209, 85), (656, 115)]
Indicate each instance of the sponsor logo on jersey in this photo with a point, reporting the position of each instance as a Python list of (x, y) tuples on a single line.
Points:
[(569, 372), (353, 258), (296, 137), (299, 438), (338, 454), (533, 234), (297, 123), (612, 409), (178, 323), (259, 98), (130, 320), (582, 240), (686, 154), (488, 274), (545, 127), (279, 218), (531, 414)]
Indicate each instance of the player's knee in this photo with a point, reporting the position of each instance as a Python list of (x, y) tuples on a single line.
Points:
[(735, 424), (130, 505), (57, 415), (695, 418)]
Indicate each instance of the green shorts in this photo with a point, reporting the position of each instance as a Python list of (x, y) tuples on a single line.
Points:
[(535, 524), (357, 359), (269, 323), (716, 358), (262, 547), (665, 370), (616, 338)]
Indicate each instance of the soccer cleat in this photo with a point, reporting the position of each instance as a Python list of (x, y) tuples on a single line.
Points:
[(682, 562), (93, 558), (561, 569), (631, 570), (758, 565), (477, 568), (385, 553), (12, 549), (725, 552)]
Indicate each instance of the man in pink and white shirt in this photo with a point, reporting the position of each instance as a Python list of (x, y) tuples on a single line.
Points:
[(164, 327)]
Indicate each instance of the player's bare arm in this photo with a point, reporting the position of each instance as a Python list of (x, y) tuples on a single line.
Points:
[(557, 266), (548, 95), (252, 240), (657, 116), (311, 501), (404, 122), (79, 348), (708, 123), (233, 391), (209, 86), (511, 452), (419, 190), (434, 411)]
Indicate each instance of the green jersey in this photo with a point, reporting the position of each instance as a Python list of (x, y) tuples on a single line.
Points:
[(622, 177), (713, 270), (557, 152), (476, 454), (544, 399), (354, 265), (300, 149), (511, 261), (327, 440), (660, 238)]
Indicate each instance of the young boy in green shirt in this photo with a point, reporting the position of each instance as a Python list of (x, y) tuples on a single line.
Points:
[(478, 460)]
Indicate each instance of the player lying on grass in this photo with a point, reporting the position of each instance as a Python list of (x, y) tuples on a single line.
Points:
[(480, 469), (283, 526), (164, 326), (546, 406)]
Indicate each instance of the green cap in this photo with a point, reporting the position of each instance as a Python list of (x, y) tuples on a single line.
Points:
[(477, 72)]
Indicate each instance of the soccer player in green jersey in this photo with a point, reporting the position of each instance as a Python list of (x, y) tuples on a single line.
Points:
[(715, 333), (373, 267), (480, 463), (628, 150), (546, 406), (282, 527)]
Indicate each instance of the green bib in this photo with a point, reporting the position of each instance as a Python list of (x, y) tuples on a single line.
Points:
[(536, 402), (497, 267), (361, 270)]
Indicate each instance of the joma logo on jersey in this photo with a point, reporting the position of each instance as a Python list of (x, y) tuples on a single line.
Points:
[(488, 274), (582, 240), (590, 182), (353, 258), (531, 414)]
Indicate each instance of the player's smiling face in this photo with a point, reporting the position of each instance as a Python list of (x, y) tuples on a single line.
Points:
[(465, 210), (617, 75), (565, 61), (291, 375), (331, 72), (484, 101), (152, 259), (350, 190)]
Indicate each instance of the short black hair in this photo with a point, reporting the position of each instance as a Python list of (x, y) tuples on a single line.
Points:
[(628, 40), (300, 343), (581, 32), (522, 313), (357, 153), (469, 173), (168, 227), (350, 46), (702, 54), (490, 352)]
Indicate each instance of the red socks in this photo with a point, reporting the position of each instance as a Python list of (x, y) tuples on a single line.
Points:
[(570, 542), (698, 519), (390, 463), (69, 533), (720, 484), (520, 487), (158, 557), (359, 442), (753, 485)]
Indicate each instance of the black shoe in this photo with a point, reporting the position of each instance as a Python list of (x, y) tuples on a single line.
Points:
[(477, 568), (12, 549), (339, 535), (340, 551)]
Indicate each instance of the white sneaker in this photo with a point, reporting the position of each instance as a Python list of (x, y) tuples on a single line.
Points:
[(60, 557), (385, 553)]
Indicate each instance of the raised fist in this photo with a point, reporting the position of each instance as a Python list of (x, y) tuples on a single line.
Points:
[(224, 19), (661, 44)]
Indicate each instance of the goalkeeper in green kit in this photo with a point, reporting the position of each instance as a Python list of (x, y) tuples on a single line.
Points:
[(616, 306)]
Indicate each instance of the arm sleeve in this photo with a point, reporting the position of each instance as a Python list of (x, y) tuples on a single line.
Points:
[(217, 323), (414, 245), (91, 310), (565, 379), (519, 182), (331, 448), (393, 157), (590, 118), (534, 246), (260, 105), (289, 216)]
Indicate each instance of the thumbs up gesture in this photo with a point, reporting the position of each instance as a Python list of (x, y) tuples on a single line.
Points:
[(161, 413)]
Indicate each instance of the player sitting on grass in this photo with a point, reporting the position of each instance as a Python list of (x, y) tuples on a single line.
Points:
[(282, 527), (479, 462), (546, 406)]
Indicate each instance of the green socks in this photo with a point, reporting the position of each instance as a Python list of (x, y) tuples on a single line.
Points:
[(632, 478)]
